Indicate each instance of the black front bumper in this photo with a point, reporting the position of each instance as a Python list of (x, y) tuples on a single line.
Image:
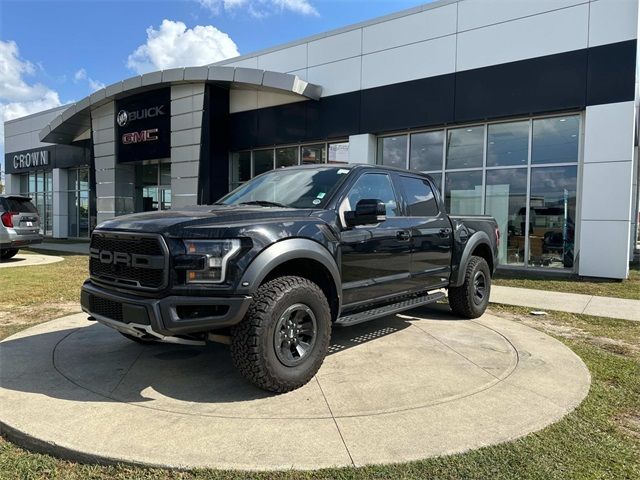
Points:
[(168, 316)]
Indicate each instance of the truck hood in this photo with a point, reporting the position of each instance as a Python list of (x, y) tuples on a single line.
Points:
[(194, 219)]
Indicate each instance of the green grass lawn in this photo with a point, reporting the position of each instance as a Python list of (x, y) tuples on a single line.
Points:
[(607, 288), (599, 440)]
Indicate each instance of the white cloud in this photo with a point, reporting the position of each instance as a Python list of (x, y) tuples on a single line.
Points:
[(260, 8), (18, 97), (82, 76), (175, 45)]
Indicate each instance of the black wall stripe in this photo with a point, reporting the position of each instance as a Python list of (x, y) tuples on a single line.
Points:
[(569, 80)]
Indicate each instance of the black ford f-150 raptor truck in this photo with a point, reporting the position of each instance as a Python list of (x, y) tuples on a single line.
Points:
[(276, 263)]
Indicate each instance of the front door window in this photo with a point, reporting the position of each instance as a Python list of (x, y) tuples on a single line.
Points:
[(156, 186)]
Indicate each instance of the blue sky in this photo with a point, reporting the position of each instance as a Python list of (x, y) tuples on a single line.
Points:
[(53, 52)]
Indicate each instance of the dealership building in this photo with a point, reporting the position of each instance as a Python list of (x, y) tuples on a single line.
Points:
[(523, 110)]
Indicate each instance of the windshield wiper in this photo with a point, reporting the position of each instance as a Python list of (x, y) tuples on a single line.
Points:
[(264, 203)]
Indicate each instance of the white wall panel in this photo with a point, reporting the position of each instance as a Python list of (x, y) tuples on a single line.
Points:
[(607, 191), (271, 99), (286, 60), (412, 28), (410, 62), (546, 34), (609, 132), (480, 13), (603, 249), (251, 62), (242, 100), (337, 77), (613, 21), (335, 47), (15, 143)]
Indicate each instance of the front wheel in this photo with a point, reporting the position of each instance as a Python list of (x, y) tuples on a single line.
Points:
[(470, 300), (8, 253), (284, 337)]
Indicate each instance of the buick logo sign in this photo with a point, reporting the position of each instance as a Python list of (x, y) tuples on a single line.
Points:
[(122, 118)]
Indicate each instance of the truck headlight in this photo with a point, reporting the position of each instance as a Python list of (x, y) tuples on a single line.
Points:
[(217, 254)]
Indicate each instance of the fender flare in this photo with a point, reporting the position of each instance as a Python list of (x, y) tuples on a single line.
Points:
[(284, 251), (476, 239)]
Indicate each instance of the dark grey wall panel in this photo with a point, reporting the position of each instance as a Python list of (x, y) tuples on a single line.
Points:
[(555, 82), (559, 82), (611, 73)]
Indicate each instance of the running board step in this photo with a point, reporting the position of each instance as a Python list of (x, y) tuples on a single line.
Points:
[(389, 309)]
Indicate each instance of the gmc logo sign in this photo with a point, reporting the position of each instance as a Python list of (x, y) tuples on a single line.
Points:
[(127, 259), (149, 135)]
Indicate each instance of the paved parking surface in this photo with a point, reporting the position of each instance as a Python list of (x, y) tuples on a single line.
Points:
[(397, 389)]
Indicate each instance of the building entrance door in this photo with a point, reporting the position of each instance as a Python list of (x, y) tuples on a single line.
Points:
[(155, 186)]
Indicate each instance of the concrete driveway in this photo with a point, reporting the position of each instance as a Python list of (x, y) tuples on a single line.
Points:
[(397, 389)]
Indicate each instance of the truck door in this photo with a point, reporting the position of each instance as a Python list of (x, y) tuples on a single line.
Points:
[(431, 233), (375, 258)]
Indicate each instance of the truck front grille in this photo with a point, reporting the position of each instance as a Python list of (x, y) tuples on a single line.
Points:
[(131, 261)]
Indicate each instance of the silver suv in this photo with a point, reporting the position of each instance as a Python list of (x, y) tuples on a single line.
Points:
[(19, 224)]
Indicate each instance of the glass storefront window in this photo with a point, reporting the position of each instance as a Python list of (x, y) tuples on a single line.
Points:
[(506, 201), (339, 152), (392, 151), (465, 147), (262, 161), (508, 144), (240, 168), (555, 140), (313, 154), (286, 157), (165, 174), (426, 151), (552, 213), (79, 222), (463, 193)]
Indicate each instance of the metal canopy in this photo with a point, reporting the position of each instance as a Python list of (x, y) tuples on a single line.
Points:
[(76, 119)]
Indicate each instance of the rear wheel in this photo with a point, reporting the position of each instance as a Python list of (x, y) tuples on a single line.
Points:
[(8, 253), (284, 337), (470, 300)]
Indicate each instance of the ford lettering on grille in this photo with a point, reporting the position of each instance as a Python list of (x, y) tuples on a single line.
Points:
[(127, 259)]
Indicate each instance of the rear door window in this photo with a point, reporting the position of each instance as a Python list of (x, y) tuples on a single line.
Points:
[(20, 205), (419, 196)]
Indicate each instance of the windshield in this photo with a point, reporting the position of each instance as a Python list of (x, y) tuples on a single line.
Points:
[(293, 188)]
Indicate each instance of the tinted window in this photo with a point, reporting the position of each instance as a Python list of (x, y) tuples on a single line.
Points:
[(419, 196), (555, 140), (20, 205), (465, 147), (374, 186)]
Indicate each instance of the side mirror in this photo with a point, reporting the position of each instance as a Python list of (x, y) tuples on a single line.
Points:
[(369, 211)]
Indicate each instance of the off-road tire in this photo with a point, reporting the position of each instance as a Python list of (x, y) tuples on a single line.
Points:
[(8, 253), (462, 299), (141, 341), (252, 340)]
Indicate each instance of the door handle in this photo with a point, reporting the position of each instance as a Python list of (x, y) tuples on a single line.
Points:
[(445, 232), (403, 235)]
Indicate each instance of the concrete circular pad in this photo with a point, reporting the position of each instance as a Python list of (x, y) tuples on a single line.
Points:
[(392, 390), (29, 260)]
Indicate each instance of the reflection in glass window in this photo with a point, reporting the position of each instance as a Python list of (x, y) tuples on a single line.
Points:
[(286, 157), (437, 180), (552, 213), (463, 193), (420, 199), (508, 144), (240, 168), (262, 161), (426, 151), (372, 186), (555, 140), (465, 147), (506, 201), (392, 151), (165, 174), (313, 154)]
